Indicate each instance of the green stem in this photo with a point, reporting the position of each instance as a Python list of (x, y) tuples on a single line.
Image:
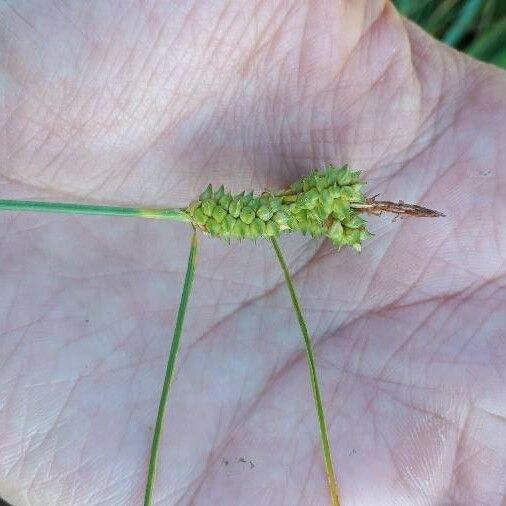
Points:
[(169, 372), (72, 208), (329, 468)]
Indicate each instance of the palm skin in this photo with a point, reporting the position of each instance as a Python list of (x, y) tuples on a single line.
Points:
[(146, 104)]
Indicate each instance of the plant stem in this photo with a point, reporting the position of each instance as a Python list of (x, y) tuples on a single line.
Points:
[(169, 372), (72, 208), (329, 468)]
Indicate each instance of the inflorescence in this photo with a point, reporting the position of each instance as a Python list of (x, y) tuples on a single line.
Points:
[(320, 204)]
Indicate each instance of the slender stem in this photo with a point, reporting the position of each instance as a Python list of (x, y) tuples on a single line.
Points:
[(72, 208), (169, 372), (329, 468)]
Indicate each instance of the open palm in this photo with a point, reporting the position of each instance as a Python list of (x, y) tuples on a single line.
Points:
[(146, 104)]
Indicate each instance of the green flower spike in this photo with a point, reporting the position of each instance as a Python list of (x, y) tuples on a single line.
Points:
[(319, 204)]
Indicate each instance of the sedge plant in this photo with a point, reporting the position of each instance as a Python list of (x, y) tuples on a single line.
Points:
[(325, 203)]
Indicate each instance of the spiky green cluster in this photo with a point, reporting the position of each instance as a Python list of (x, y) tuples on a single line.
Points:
[(319, 204)]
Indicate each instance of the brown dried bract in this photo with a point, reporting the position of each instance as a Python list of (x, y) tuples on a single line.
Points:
[(373, 206)]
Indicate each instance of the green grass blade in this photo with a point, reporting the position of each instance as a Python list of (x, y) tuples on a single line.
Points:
[(329, 468), (500, 59), (440, 17), (463, 23), (169, 372), (490, 41), (72, 208)]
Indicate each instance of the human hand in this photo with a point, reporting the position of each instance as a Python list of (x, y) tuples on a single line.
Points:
[(146, 104)]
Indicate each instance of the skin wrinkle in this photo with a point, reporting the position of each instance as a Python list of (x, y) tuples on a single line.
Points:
[(458, 450), (247, 303), (453, 424), (343, 327), (212, 458), (275, 377)]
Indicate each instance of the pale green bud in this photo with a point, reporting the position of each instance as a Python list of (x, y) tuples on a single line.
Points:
[(351, 194), (309, 199), (228, 224), (341, 208), (219, 214), (207, 207), (219, 193), (351, 236), (265, 213), (239, 229), (225, 201), (280, 218), (334, 191), (272, 229), (213, 227), (245, 200), (327, 201), (344, 176), (353, 221), (247, 215), (258, 227), (235, 207), (199, 217), (254, 204), (207, 193), (336, 232)]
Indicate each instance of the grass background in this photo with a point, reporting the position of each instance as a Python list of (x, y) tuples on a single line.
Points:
[(477, 27)]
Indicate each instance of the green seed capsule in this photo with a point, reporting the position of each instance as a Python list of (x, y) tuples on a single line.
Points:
[(207, 207), (276, 204), (245, 200), (321, 183), (254, 204), (356, 177), (272, 229), (309, 199), (294, 208), (331, 175), (365, 234), (336, 232), (257, 227), (213, 227), (239, 229), (281, 218), (351, 236), (219, 214), (207, 193), (341, 208), (235, 207), (247, 215), (334, 191), (343, 176), (199, 217), (349, 193), (225, 201), (265, 213), (353, 221), (219, 193), (327, 201), (228, 224)]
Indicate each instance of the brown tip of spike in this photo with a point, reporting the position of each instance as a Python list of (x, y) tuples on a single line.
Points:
[(377, 207)]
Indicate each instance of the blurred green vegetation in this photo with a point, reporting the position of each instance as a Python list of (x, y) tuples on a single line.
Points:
[(477, 27)]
